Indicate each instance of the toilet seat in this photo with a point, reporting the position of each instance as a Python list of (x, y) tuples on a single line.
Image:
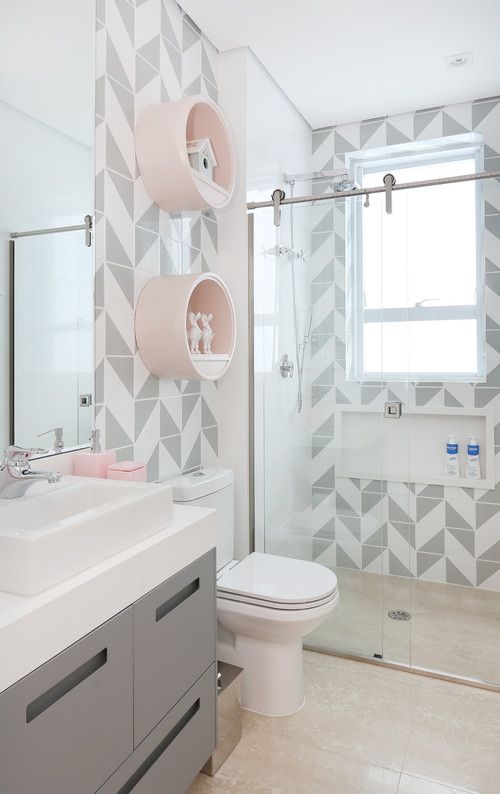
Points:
[(280, 583)]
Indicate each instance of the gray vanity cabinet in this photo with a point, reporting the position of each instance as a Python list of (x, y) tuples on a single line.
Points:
[(176, 749), (66, 727), (130, 707), (174, 641)]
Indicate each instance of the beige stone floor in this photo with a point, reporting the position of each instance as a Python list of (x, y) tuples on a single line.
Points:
[(365, 729), (453, 629)]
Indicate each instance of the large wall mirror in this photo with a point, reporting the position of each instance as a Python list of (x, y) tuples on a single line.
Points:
[(46, 209)]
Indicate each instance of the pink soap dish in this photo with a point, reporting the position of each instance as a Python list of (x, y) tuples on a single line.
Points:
[(129, 470)]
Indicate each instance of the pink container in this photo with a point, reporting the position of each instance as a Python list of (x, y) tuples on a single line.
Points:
[(93, 464), (128, 470)]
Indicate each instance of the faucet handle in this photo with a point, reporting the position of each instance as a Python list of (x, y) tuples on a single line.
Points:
[(17, 451)]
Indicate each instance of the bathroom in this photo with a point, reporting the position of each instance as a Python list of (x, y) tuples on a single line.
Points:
[(249, 478)]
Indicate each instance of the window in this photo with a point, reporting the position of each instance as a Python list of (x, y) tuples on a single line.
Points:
[(415, 277)]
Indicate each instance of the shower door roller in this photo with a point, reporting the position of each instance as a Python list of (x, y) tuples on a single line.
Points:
[(286, 366)]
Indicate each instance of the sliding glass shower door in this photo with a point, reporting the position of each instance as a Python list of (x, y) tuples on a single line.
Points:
[(375, 341), (320, 490)]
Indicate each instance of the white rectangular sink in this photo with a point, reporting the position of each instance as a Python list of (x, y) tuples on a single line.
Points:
[(57, 531)]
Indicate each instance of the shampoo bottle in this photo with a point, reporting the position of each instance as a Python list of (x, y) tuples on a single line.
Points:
[(95, 462), (473, 471), (452, 467)]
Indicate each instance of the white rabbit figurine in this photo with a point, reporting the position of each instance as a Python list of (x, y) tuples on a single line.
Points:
[(207, 334), (194, 333)]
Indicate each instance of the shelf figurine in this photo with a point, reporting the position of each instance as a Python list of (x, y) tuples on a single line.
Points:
[(194, 333), (207, 334), (202, 158)]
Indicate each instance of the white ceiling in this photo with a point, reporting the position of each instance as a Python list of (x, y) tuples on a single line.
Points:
[(358, 59)]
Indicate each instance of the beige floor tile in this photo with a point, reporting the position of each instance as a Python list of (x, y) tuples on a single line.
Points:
[(217, 785), (355, 626), (361, 724), (456, 630), (351, 713), (416, 785), (453, 629), (270, 762), (455, 738)]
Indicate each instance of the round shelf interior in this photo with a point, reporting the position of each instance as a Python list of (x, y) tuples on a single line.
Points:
[(204, 121), (210, 296)]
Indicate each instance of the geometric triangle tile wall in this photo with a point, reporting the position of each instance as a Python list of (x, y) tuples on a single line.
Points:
[(441, 534), (146, 52)]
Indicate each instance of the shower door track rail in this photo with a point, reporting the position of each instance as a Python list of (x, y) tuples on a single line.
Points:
[(406, 668), (448, 180)]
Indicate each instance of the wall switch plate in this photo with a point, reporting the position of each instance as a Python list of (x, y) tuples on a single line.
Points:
[(392, 410), (85, 400)]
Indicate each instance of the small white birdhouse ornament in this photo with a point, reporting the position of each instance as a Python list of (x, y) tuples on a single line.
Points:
[(202, 157)]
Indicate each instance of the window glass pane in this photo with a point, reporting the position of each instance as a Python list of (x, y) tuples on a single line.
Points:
[(423, 347), (426, 250)]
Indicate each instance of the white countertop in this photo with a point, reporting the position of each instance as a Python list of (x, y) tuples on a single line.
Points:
[(33, 629)]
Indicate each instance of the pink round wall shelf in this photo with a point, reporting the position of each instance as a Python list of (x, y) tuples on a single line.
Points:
[(161, 326), (162, 133)]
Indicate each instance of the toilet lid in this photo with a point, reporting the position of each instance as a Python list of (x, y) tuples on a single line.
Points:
[(278, 580)]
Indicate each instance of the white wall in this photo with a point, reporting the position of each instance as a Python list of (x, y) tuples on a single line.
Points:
[(271, 138), (233, 268), (278, 137)]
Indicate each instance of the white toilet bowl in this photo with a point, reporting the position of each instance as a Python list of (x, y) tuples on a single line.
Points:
[(266, 605)]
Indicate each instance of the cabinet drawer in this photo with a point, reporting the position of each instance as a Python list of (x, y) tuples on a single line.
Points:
[(174, 641), (68, 725), (171, 756)]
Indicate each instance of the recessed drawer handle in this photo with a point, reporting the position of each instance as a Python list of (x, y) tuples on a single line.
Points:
[(56, 692), (160, 749), (177, 599)]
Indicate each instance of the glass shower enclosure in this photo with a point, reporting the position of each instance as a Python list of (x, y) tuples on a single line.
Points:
[(376, 338)]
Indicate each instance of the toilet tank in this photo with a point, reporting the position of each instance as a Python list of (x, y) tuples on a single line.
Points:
[(211, 487)]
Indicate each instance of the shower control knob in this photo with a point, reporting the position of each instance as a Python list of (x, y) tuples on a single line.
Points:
[(286, 366)]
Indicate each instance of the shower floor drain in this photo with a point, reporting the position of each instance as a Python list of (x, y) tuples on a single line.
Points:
[(399, 614)]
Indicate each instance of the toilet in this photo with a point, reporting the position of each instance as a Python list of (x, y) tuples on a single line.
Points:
[(266, 604)]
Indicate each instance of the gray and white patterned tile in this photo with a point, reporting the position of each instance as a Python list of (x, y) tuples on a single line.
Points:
[(372, 133), (118, 379), (436, 507), (148, 452), (210, 446), (322, 150), (170, 457), (171, 67), (119, 424)]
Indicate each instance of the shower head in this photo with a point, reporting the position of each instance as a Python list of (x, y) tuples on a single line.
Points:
[(344, 186), (283, 250)]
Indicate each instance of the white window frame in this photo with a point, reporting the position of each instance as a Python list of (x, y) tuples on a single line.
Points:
[(456, 147)]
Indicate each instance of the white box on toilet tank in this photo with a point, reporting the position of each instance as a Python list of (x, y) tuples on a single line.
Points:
[(212, 488)]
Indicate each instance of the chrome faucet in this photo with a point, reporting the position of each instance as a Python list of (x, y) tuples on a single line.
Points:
[(17, 462)]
